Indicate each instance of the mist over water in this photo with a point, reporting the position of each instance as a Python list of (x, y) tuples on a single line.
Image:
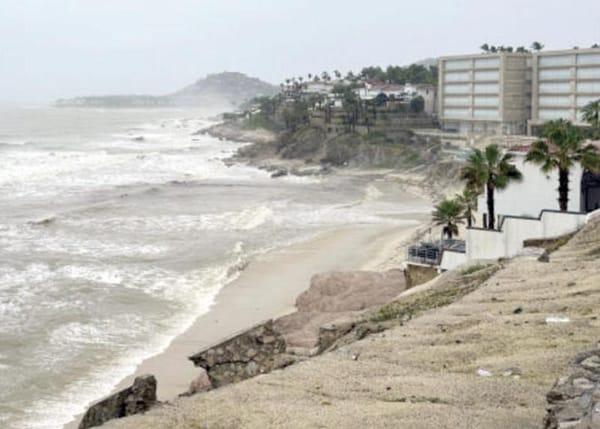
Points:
[(118, 228)]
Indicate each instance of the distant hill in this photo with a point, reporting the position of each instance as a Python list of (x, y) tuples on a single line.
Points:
[(228, 89)]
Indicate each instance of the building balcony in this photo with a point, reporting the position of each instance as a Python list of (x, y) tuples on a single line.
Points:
[(430, 253)]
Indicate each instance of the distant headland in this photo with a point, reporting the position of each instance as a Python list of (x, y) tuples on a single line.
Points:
[(221, 89)]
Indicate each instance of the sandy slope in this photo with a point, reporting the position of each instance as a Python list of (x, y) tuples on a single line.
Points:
[(423, 374)]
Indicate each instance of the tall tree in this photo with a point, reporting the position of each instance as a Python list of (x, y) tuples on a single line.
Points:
[(449, 214), (537, 46), (561, 148), (485, 47), (490, 169), (468, 199)]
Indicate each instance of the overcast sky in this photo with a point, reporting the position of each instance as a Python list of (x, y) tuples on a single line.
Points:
[(61, 48)]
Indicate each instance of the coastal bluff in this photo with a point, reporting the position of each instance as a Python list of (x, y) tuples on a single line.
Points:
[(486, 359)]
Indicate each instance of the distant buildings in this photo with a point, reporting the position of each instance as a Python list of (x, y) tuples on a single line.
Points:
[(563, 83), (510, 93)]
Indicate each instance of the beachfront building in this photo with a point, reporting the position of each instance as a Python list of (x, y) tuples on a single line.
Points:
[(485, 93), (563, 83), (538, 191), (526, 210)]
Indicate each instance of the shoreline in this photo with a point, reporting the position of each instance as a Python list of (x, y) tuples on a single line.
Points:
[(354, 247)]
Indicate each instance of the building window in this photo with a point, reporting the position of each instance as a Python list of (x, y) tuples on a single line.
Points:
[(458, 64), (556, 60), (584, 100), (457, 101), (554, 88), (486, 88), (457, 89), (550, 114), (588, 59), (456, 113), (486, 113), (555, 74), (555, 101), (593, 87), (457, 77), (489, 63), (589, 73), (487, 75), (483, 100)]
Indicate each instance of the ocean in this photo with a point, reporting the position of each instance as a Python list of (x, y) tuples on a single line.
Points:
[(117, 230)]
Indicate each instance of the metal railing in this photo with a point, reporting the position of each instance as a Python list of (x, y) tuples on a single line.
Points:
[(430, 253)]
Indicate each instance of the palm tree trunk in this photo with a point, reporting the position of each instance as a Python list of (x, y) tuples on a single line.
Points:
[(490, 205), (469, 217), (449, 231), (563, 189)]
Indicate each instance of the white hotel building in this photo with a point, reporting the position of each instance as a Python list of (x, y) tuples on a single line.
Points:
[(511, 93), (563, 83), (485, 93)]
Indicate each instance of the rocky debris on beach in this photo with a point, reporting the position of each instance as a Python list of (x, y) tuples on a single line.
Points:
[(574, 401), (138, 398), (258, 350), (199, 384), (326, 312)]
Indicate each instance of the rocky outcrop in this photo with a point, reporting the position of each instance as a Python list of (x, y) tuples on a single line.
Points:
[(138, 398), (235, 131), (574, 401), (256, 351)]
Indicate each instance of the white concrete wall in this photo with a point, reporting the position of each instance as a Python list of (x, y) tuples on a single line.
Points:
[(535, 193), (451, 260), (484, 244), (508, 242)]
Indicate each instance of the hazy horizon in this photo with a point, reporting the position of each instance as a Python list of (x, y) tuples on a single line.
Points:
[(66, 48)]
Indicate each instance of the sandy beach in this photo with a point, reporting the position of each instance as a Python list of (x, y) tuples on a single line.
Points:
[(268, 288)]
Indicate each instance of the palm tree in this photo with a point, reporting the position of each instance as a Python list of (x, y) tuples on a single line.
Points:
[(468, 199), (537, 46), (560, 150), (591, 113), (448, 213), (491, 169)]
